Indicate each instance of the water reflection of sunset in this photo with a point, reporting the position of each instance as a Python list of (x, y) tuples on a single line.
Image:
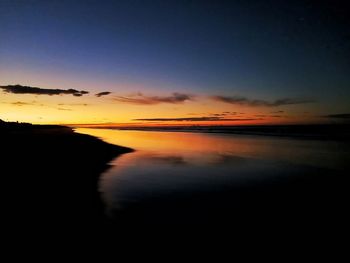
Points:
[(167, 165), (207, 148)]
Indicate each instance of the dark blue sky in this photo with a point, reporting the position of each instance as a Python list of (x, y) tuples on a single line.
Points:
[(259, 49)]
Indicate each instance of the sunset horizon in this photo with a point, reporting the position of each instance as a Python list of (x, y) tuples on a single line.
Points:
[(199, 62), (174, 115), (66, 107)]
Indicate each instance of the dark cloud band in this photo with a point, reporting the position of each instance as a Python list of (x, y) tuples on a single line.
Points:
[(104, 93), (19, 89), (338, 116)]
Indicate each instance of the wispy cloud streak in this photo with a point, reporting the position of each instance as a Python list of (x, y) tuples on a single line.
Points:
[(140, 99), (22, 103), (239, 100), (205, 118), (104, 93)]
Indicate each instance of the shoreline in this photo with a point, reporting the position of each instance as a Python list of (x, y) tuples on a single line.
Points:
[(51, 174), (308, 132)]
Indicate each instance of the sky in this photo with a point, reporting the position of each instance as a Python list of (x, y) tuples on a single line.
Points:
[(174, 62)]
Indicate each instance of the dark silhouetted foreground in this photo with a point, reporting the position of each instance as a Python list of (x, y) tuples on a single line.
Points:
[(50, 174)]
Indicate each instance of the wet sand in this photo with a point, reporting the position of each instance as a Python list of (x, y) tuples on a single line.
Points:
[(243, 183), (309, 200)]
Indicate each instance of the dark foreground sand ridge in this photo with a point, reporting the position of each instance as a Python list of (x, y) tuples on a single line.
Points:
[(50, 175)]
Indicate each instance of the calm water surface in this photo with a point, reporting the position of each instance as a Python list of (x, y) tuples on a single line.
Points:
[(167, 166)]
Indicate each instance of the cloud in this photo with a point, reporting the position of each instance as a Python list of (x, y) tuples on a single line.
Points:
[(140, 99), (225, 113), (239, 100), (104, 93), (338, 116), (205, 118), (21, 103), (24, 103), (19, 89), (73, 104), (220, 114)]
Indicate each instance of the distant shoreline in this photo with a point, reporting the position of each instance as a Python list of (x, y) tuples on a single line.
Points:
[(315, 132)]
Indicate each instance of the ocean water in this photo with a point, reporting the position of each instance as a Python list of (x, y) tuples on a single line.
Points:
[(194, 177)]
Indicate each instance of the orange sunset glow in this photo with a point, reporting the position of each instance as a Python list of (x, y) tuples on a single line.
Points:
[(174, 116), (92, 110)]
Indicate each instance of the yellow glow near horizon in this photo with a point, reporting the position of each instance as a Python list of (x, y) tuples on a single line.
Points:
[(89, 109)]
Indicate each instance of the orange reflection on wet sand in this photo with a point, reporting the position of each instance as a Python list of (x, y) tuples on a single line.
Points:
[(205, 147)]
